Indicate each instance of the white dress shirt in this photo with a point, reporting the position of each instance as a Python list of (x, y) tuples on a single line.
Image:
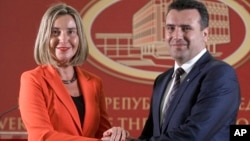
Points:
[(187, 68)]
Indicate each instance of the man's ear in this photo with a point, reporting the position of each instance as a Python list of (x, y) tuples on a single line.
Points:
[(205, 33)]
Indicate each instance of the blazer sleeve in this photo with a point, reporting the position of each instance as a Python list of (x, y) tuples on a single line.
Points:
[(104, 120), (34, 112)]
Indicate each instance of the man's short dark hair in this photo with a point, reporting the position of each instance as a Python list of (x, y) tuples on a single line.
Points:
[(192, 4)]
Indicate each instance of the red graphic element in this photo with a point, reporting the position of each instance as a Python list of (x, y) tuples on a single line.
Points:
[(120, 37)]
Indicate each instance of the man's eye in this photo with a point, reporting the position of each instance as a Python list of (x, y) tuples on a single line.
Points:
[(170, 28), (186, 28)]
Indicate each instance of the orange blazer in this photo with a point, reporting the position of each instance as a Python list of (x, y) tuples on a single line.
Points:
[(49, 113)]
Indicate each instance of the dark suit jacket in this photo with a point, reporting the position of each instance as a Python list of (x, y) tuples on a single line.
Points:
[(204, 106), (49, 112)]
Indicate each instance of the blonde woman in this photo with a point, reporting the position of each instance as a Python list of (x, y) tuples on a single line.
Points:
[(60, 101)]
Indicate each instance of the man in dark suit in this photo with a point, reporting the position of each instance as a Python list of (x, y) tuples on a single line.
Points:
[(207, 100)]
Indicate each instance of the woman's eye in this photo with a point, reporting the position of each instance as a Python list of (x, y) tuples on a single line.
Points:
[(72, 32), (55, 32)]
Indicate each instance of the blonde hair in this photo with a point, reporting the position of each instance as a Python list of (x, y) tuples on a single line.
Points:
[(42, 51)]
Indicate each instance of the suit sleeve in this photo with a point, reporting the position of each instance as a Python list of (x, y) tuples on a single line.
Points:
[(35, 114), (148, 127), (147, 131)]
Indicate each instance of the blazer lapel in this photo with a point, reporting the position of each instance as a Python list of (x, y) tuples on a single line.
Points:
[(87, 92), (53, 79)]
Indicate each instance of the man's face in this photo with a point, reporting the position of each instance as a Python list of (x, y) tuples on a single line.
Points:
[(183, 34)]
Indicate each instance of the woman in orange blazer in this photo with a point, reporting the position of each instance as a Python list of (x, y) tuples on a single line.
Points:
[(59, 101)]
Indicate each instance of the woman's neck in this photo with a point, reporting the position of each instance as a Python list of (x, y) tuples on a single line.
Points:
[(66, 73)]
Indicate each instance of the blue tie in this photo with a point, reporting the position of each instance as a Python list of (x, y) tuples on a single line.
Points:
[(177, 81)]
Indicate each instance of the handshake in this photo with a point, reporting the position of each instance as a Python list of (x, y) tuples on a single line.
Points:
[(116, 134)]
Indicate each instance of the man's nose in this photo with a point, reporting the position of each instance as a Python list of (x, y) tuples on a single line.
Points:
[(178, 33)]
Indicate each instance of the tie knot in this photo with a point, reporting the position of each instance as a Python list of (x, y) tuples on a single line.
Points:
[(179, 71)]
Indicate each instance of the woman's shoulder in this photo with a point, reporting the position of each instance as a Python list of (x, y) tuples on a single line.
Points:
[(32, 76), (38, 71), (34, 71)]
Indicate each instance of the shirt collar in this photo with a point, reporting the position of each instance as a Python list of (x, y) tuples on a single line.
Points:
[(189, 64)]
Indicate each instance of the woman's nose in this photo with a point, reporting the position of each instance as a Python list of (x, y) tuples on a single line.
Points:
[(63, 37)]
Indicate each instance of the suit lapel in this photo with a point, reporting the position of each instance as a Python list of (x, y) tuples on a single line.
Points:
[(53, 79), (179, 93), (158, 93), (184, 86)]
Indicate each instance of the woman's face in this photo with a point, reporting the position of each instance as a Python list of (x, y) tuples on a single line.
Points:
[(64, 39)]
